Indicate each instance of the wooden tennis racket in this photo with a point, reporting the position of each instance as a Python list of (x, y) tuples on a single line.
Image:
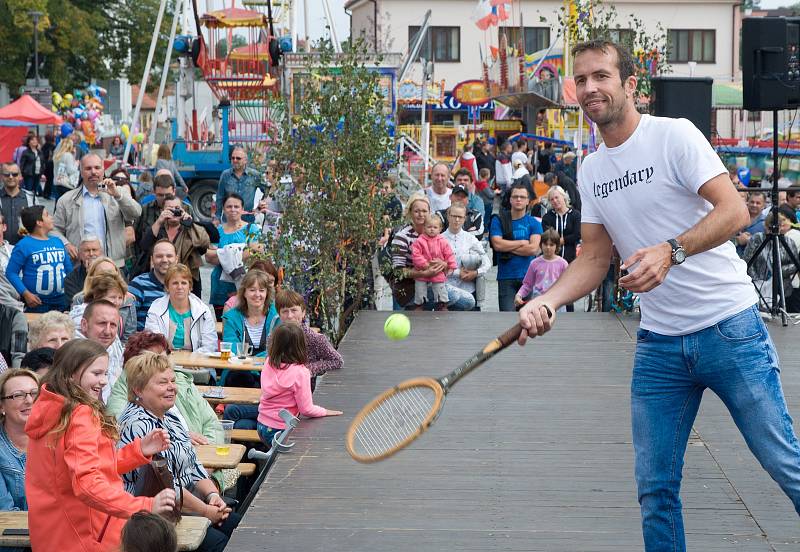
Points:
[(393, 419)]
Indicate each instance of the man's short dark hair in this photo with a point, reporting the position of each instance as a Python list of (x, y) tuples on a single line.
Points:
[(753, 194), (464, 172), (38, 359), (792, 191), (519, 186), (625, 63), (789, 213), (30, 216), (163, 181), (550, 178), (87, 314)]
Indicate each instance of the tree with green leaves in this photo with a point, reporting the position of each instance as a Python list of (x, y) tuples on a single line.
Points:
[(80, 40), (335, 147)]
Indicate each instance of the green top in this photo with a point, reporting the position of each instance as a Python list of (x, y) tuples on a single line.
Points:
[(177, 318)]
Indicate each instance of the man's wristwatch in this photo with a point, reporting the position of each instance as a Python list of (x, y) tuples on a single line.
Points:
[(678, 252)]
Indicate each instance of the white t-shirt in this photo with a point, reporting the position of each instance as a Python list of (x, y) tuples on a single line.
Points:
[(439, 202), (644, 192)]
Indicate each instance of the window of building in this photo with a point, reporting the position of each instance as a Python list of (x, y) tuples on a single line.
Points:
[(536, 38), (441, 44), (692, 45)]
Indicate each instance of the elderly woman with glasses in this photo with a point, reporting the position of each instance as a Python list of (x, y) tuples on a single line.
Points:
[(18, 390)]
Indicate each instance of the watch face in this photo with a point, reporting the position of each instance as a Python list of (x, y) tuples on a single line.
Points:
[(680, 256)]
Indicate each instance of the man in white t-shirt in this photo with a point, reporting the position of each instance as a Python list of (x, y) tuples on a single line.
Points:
[(439, 192), (659, 193)]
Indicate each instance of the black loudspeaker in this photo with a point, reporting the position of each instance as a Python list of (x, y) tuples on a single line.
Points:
[(686, 97), (771, 63)]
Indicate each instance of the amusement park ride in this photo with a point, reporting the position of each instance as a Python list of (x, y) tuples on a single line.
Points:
[(237, 49)]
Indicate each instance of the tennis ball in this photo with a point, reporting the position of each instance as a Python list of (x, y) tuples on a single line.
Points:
[(397, 327)]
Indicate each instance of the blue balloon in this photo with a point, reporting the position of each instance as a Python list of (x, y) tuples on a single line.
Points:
[(66, 130), (744, 175)]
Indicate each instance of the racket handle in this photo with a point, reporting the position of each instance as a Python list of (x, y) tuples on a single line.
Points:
[(512, 334)]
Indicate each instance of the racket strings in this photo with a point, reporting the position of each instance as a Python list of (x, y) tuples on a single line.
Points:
[(393, 421)]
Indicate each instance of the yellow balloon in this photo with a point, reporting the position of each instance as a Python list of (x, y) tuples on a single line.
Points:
[(125, 130)]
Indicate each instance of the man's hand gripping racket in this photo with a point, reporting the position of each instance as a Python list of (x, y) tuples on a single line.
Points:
[(393, 419)]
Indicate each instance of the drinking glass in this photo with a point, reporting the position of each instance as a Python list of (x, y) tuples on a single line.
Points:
[(225, 350), (244, 350), (224, 448)]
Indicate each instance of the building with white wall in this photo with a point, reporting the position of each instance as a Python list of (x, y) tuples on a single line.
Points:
[(706, 32)]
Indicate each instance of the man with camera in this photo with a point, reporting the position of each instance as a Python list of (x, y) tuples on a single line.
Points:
[(98, 208), (179, 228)]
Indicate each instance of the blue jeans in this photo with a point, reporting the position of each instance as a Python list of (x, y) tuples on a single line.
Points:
[(506, 289), (243, 416), (460, 300), (267, 433), (735, 359)]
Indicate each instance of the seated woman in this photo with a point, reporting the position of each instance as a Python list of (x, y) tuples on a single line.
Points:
[(76, 499), (127, 308), (194, 412), (181, 316), (18, 389), (52, 329), (233, 231), (250, 322), (151, 394), (111, 287)]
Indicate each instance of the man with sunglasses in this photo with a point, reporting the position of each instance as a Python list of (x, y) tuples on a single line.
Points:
[(13, 199), (242, 180)]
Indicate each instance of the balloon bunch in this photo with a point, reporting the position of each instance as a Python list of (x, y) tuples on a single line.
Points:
[(82, 110)]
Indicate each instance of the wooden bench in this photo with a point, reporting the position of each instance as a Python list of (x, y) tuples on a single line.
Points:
[(246, 469), (191, 530), (245, 436), (232, 395)]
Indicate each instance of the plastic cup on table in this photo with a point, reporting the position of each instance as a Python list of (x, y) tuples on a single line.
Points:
[(224, 448), (243, 350), (225, 350)]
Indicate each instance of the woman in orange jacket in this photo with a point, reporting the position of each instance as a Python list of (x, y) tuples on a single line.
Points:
[(75, 494)]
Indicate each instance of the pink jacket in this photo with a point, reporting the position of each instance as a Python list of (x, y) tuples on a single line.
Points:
[(76, 500), (425, 249), (289, 388)]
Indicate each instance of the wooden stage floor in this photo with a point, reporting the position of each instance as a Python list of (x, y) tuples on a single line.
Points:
[(532, 452)]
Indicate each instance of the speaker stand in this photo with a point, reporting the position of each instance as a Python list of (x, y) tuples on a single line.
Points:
[(773, 238)]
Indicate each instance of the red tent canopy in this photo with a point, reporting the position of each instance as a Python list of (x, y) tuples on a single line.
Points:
[(28, 110)]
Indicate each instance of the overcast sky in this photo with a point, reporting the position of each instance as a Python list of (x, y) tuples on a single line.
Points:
[(769, 4)]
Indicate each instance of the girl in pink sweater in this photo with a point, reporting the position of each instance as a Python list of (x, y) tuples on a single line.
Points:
[(286, 383), (431, 247)]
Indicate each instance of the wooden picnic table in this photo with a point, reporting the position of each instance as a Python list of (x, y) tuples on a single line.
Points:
[(201, 360), (233, 395), (191, 530), (207, 455)]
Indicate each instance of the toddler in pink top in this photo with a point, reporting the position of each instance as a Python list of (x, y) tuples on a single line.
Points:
[(544, 270), (431, 246), (286, 383)]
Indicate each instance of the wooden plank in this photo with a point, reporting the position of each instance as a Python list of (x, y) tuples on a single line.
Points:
[(207, 455), (233, 395), (191, 530), (245, 436), (532, 451), (200, 360)]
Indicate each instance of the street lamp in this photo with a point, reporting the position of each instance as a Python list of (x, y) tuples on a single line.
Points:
[(36, 15)]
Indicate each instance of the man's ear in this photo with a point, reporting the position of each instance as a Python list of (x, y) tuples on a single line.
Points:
[(84, 326)]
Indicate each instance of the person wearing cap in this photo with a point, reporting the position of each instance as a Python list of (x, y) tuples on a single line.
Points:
[(473, 223), (502, 167), (464, 178)]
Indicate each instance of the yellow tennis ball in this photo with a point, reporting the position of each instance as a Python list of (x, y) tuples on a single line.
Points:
[(397, 327)]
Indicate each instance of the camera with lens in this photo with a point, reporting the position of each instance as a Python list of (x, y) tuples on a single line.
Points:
[(177, 212)]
